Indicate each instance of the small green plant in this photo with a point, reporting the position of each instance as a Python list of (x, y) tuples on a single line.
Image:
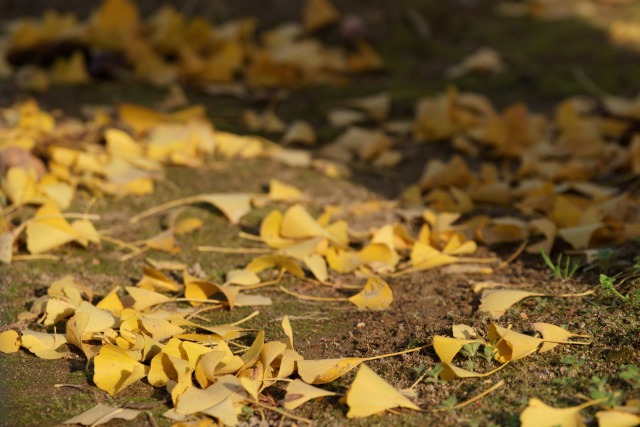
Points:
[(470, 350), (433, 374), (605, 260), (488, 353), (561, 270), (607, 284), (449, 402), (631, 374), (600, 390), (574, 361)]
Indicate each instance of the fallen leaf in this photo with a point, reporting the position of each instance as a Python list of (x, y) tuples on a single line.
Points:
[(376, 295), (9, 342), (115, 369), (101, 414), (369, 394), (298, 392), (538, 414), (555, 335), (511, 345)]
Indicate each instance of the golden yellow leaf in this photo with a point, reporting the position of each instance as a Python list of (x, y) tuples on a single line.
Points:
[(111, 302), (554, 335), (497, 302), (70, 70), (187, 225), (297, 223), (300, 132), (369, 394), (139, 118), (376, 106), (317, 14), (86, 232), (450, 372), (376, 295), (9, 341), (202, 290), (326, 370), (144, 298), (99, 319), (155, 280), (446, 348), (298, 392), (279, 261), (511, 345), (242, 277), (278, 190), (538, 414), (101, 414), (618, 417), (48, 229), (43, 345), (317, 265), (76, 335), (115, 369)]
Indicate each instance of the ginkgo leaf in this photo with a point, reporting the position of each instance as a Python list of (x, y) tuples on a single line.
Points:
[(376, 295), (115, 369), (376, 106), (144, 298), (202, 290), (326, 370), (450, 372), (233, 205), (99, 319), (511, 345), (318, 13), (369, 394), (75, 334), (297, 223), (538, 414), (497, 302), (9, 341), (278, 190), (317, 265), (101, 414), (618, 418), (463, 332), (446, 348), (43, 345), (48, 229), (554, 335), (299, 392), (242, 277), (155, 280), (301, 132), (279, 261)]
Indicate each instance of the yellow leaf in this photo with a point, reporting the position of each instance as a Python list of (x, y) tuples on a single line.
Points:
[(537, 414), (278, 190), (376, 295), (187, 225), (86, 232), (70, 70), (20, 185), (616, 418), (101, 414), (298, 224), (317, 14), (115, 369), (43, 345), (242, 277), (326, 370), (139, 118), (99, 319), (202, 290), (511, 345), (450, 372), (76, 335), (497, 302), (279, 261), (111, 302), (298, 392), (369, 394), (554, 335), (376, 106), (299, 132), (48, 229), (580, 236), (446, 348), (9, 342), (144, 299), (155, 280), (317, 265)]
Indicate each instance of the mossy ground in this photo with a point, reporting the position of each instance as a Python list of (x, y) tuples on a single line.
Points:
[(542, 58)]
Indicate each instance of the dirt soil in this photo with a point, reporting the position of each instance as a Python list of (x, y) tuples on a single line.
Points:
[(542, 58)]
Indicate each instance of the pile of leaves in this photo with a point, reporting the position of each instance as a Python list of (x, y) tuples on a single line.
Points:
[(169, 47)]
